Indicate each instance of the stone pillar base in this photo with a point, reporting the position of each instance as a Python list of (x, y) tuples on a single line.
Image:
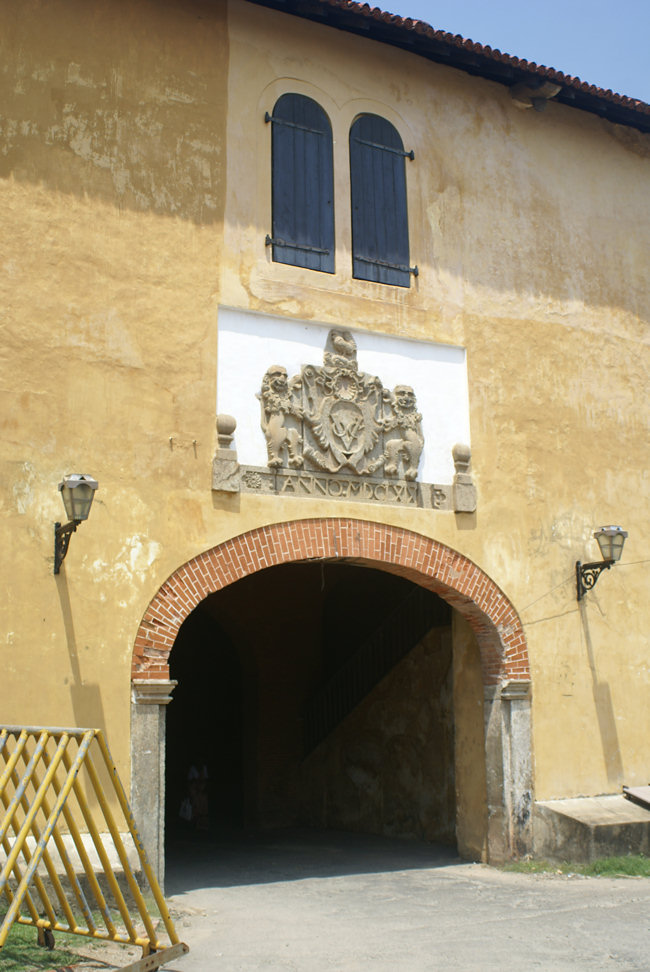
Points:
[(148, 700), (509, 770)]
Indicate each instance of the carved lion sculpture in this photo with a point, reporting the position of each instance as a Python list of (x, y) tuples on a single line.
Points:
[(278, 401), (407, 441)]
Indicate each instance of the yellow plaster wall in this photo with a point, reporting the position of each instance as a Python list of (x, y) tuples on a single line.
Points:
[(529, 231), (111, 190), (127, 221)]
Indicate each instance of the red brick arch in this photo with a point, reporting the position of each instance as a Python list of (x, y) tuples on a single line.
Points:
[(424, 561)]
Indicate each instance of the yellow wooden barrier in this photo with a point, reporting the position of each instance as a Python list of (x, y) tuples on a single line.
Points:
[(54, 784)]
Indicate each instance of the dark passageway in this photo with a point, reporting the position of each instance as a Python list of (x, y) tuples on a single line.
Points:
[(316, 695)]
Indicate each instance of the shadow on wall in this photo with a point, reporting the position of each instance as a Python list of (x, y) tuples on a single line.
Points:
[(114, 102), (388, 767), (86, 697), (126, 103), (604, 711)]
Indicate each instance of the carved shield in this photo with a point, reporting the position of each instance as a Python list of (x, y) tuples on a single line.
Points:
[(348, 431)]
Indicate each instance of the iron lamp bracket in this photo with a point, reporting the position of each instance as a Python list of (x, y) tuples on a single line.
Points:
[(62, 536), (588, 574)]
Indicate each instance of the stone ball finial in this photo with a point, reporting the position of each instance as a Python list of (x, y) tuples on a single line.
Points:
[(226, 426), (462, 455), (464, 491)]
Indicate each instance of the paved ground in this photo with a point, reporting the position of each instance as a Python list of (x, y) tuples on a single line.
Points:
[(341, 903)]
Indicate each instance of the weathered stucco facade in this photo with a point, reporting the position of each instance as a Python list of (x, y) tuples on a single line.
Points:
[(136, 198)]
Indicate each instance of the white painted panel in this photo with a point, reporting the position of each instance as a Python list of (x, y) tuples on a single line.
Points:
[(250, 343)]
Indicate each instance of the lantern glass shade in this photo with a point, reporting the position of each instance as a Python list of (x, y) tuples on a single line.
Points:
[(611, 540), (77, 492)]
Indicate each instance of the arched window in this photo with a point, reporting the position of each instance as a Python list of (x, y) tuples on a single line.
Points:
[(302, 184), (380, 236)]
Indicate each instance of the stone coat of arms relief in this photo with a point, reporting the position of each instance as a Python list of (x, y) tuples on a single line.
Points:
[(334, 431), (337, 419)]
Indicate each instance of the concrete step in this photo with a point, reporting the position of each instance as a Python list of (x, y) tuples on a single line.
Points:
[(586, 828)]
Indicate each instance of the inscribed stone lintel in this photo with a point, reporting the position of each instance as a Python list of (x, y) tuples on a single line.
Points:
[(298, 483)]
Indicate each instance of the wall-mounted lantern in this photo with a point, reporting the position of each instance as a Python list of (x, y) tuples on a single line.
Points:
[(77, 492), (610, 540)]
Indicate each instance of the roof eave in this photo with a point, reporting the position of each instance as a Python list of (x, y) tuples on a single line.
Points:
[(465, 55)]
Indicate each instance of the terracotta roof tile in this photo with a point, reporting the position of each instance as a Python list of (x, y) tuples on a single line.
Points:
[(453, 49)]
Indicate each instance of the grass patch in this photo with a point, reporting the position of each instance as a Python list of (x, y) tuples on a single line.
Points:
[(526, 866), (633, 865), (21, 952)]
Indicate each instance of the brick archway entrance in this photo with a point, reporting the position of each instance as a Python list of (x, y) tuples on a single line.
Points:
[(424, 561), (420, 559)]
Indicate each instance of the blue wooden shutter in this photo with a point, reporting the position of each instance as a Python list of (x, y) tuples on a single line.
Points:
[(302, 184), (380, 237)]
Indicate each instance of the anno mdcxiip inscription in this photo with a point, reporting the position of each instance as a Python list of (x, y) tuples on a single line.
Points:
[(290, 482)]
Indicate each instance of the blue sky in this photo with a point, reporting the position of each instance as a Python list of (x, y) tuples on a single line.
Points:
[(604, 43)]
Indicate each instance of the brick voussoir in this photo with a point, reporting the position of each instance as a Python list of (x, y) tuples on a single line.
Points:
[(420, 559)]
